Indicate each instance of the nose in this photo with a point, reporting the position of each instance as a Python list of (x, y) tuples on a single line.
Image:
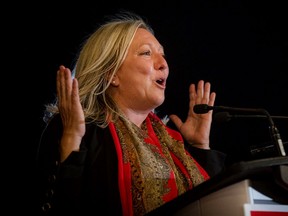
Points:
[(161, 63)]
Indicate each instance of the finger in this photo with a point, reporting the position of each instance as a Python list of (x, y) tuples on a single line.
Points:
[(206, 93), (75, 91), (192, 97), (176, 120), (64, 85), (67, 83), (60, 77), (212, 99), (200, 92), (192, 92)]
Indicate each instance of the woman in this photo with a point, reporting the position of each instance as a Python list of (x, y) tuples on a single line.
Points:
[(104, 148)]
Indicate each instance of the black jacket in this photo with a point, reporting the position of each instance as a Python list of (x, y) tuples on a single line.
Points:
[(86, 183)]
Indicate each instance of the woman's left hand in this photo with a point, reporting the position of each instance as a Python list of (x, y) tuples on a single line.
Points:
[(196, 128)]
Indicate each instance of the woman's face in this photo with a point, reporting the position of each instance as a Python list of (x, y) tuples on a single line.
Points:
[(141, 80)]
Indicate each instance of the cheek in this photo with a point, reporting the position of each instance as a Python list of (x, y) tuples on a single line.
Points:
[(142, 67), (148, 70), (135, 74)]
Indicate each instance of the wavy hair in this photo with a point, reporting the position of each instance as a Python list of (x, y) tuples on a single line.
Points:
[(100, 57)]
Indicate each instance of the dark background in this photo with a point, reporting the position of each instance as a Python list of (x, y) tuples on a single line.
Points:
[(240, 47)]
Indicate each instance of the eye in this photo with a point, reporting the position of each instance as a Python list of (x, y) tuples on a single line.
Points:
[(146, 53)]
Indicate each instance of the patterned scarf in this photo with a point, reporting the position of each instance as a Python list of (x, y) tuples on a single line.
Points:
[(154, 167)]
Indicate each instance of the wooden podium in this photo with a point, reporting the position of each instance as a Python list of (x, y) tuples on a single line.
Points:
[(251, 188)]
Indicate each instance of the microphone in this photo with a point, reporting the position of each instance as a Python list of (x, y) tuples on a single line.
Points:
[(204, 108), (274, 133), (226, 116)]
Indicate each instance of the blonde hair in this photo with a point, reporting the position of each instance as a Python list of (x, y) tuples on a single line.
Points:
[(101, 56)]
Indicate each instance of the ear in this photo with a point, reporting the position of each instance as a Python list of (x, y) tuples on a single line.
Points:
[(115, 81)]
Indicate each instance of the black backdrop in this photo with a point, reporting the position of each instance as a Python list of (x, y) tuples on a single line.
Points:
[(240, 47)]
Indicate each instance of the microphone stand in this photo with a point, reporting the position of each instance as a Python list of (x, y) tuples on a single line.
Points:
[(274, 133)]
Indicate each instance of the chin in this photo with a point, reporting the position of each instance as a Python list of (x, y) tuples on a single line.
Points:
[(160, 101)]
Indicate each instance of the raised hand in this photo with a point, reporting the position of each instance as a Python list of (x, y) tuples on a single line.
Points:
[(71, 112), (196, 128)]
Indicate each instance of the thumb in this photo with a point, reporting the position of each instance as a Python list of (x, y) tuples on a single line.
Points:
[(176, 120)]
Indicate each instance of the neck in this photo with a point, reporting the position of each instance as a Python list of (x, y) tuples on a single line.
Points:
[(136, 117)]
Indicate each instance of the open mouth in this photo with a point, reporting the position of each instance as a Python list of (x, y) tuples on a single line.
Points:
[(161, 82)]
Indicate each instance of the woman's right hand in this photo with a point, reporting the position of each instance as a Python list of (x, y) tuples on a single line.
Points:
[(71, 112)]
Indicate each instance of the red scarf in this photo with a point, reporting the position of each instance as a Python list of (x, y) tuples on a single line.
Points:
[(153, 165)]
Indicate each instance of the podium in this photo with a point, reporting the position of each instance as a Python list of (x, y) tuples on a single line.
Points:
[(248, 188)]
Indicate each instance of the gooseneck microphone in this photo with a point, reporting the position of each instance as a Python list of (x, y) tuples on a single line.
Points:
[(226, 116), (204, 108), (275, 135)]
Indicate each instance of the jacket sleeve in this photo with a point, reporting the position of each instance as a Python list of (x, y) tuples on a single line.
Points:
[(59, 183), (212, 161), (86, 183)]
